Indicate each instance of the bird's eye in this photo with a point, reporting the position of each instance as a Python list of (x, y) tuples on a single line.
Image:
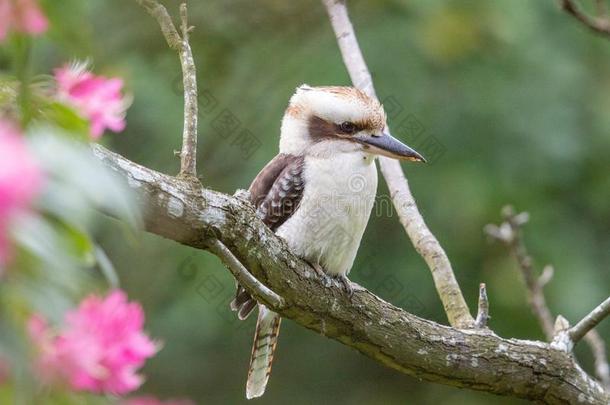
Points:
[(348, 127)]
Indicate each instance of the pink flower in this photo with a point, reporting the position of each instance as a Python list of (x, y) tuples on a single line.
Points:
[(23, 16), (20, 181), (100, 347), (150, 400), (96, 98)]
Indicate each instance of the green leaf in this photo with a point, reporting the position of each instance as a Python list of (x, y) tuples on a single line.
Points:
[(77, 183), (66, 118), (78, 244), (106, 267), (6, 394)]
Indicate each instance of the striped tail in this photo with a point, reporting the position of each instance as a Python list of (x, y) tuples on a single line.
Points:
[(265, 339)]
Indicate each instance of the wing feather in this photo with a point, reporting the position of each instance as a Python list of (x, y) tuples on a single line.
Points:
[(277, 189), (276, 193), (283, 198)]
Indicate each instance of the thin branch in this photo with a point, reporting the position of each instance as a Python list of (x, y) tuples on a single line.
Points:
[(590, 321), (390, 336), (510, 233), (243, 276), (599, 25), (483, 312), (547, 275), (188, 154), (423, 240), (159, 12), (536, 296)]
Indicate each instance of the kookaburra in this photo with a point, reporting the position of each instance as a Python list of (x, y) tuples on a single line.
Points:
[(317, 194)]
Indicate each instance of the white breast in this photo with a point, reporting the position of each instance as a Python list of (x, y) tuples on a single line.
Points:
[(337, 201)]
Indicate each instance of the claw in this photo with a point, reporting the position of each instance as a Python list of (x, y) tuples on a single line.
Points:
[(341, 278), (346, 284), (318, 269)]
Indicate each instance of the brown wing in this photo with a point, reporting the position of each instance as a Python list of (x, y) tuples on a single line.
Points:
[(276, 200), (264, 180), (276, 193)]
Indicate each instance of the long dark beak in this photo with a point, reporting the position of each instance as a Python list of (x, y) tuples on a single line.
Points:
[(387, 145)]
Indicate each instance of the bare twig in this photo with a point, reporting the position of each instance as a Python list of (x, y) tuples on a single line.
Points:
[(243, 276), (599, 25), (509, 233), (424, 241), (188, 154), (590, 321), (160, 14), (536, 297), (483, 312), (561, 325), (547, 275)]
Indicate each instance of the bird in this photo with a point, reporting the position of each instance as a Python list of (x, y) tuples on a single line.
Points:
[(317, 194)]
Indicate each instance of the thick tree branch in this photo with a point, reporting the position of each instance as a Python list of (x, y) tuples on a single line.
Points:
[(188, 154), (509, 232), (463, 358), (599, 24), (423, 240)]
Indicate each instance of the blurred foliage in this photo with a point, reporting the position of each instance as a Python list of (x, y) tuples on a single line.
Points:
[(515, 92), (58, 261)]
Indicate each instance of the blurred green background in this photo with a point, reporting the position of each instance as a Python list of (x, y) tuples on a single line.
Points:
[(513, 95)]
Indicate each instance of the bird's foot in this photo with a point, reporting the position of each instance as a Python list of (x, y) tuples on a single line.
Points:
[(342, 278), (319, 270)]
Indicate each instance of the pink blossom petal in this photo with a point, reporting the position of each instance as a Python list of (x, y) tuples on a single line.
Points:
[(37, 328), (20, 180), (96, 98), (24, 16), (32, 20), (101, 346), (5, 18)]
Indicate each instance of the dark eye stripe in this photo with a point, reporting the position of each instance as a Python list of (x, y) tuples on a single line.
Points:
[(320, 129), (347, 128)]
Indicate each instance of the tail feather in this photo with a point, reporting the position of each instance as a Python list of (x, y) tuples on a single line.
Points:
[(243, 303), (265, 340), (241, 296), (246, 309)]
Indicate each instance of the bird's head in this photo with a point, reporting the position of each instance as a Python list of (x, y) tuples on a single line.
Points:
[(326, 120)]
